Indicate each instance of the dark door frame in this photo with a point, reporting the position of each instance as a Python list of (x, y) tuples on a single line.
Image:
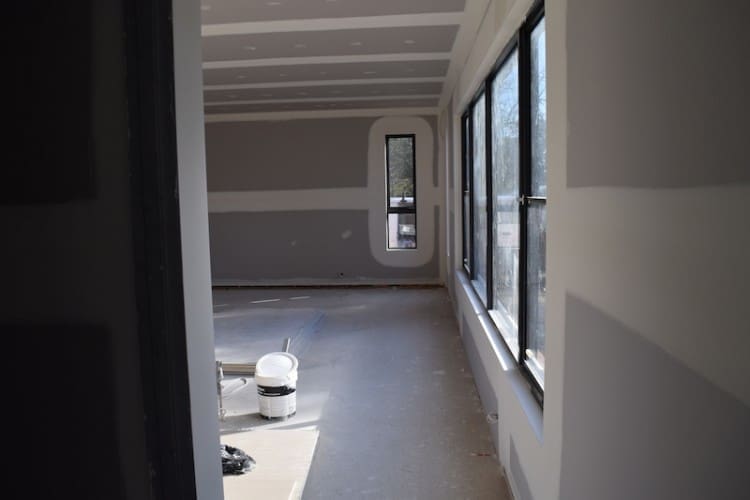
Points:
[(149, 61)]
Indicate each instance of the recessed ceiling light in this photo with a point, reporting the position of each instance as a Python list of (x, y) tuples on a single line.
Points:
[(355, 44), (249, 47), (409, 42)]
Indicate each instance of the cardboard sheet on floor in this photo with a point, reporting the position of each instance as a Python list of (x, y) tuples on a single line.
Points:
[(283, 459)]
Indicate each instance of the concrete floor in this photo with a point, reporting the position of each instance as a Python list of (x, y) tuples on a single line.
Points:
[(383, 376)]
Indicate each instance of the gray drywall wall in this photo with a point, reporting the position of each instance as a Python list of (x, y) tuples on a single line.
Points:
[(638, 423), (664, 99), (320, 245), (196, 273), (281, 155), (655, 399), (323, 160), (68, 277)]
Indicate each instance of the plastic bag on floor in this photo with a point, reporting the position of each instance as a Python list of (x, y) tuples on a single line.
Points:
[(235, 461)]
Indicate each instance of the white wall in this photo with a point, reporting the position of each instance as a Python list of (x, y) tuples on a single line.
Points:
[(195, 253), (647, 266)]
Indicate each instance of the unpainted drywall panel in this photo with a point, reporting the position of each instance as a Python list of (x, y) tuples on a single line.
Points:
[(638, 423), (284, 155), (321, 245), (658, 93)]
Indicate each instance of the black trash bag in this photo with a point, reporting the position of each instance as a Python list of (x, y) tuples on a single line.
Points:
[(235, 461)]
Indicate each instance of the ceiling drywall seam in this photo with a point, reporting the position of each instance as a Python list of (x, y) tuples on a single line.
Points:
[(325, 83), (294, 61), (392, 21), (333, 113)]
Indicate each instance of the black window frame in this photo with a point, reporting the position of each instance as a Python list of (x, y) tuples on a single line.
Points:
[(467, 219), (400, 210), (521, 41)]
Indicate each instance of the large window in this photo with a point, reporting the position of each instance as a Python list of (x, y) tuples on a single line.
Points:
[(401, 198), (507, 235)]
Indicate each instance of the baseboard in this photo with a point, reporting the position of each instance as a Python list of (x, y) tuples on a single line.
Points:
[(326, 283)]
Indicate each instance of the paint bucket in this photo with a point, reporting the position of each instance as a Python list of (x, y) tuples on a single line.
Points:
[(276, 378)]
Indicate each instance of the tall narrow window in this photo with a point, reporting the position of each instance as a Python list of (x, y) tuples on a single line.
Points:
[(479, 199), (401, 201), (536, 221), (505, 192)]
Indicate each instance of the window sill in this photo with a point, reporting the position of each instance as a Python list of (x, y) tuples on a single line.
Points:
[(516, 380)]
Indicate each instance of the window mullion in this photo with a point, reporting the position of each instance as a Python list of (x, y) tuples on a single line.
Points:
[(470, 180), (524, 125), (490, 203)]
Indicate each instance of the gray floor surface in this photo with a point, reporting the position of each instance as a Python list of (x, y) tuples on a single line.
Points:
[(384, 378)]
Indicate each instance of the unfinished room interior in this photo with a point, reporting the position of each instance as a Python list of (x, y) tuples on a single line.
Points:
[(498, 248)]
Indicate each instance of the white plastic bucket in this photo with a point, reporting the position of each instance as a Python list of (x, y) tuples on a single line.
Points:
[(276, 378)]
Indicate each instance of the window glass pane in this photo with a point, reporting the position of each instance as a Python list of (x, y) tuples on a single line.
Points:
[(402, 231), (479, 189), (537, 288), (538, 112), (401, 172), (506, 189)]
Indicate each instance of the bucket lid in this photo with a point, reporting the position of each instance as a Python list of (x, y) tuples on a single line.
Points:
[(276, 369)]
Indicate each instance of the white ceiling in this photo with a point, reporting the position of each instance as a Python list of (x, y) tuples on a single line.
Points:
[(262, 56)]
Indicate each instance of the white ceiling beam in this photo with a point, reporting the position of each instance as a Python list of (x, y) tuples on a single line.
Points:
[(324, 83), (327, 113), (325, 99), (295, 61), (394, 21)]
